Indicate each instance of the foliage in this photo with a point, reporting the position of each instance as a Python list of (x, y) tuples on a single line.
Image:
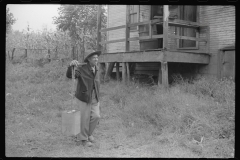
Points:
[(10, 20), (59, 43), (222, 90), (35, 96), (205, 108), (81, 23)]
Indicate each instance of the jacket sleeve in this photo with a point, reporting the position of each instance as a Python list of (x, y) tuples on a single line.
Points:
[(69, 72)]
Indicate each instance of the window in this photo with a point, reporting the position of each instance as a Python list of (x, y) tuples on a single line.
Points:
[(133, 14), (188, 13)]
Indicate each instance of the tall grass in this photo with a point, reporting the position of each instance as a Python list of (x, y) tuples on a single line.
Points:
[(35, 97), (204, 108)]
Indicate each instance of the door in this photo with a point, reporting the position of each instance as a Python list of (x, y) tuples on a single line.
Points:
[(228, 64), (188, 13)]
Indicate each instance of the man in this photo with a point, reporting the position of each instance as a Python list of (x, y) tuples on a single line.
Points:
[(87, 96)]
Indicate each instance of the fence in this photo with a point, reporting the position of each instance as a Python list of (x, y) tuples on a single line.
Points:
[(40, 53)]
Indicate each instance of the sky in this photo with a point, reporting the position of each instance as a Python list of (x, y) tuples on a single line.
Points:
[(37, 16)]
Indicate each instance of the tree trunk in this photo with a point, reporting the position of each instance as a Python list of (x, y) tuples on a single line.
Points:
[(13, 52)]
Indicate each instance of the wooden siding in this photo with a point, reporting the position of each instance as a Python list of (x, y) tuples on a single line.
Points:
[(144, 13), (221, 20), (172, 43), (117, 17)]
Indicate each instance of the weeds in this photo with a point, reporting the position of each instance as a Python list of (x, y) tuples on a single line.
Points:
[(204, 107)]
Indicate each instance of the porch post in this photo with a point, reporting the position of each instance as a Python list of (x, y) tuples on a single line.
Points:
[(124, 72), (160, 75), (128, 72), (165, 26), (117, 70), (109, 70), (164, 64), (99, 48), (127, 34), (164, 68)]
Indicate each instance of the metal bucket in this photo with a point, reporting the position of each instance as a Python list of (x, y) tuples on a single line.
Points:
[(71, 123)]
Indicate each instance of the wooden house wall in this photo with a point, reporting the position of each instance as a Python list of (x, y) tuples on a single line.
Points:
[(117, 17), (145, 11), (221, 20)]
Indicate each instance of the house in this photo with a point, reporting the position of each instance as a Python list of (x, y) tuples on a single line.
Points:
[(160, 40)]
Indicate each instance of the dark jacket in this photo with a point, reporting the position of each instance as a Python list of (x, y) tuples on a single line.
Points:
[(86, 81)]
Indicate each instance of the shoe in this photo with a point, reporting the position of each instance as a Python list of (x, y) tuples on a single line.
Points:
[(87, 143), (91, 139)]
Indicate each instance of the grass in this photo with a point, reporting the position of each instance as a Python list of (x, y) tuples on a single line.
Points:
[(204, 108), (36, 95)]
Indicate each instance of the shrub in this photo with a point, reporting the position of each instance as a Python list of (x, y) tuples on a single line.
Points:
[(220, 90)]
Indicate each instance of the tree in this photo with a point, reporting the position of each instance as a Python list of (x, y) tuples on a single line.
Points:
[(81, 23), (10, 20)]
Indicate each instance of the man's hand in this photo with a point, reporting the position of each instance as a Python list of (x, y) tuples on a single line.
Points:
[(76, 63)]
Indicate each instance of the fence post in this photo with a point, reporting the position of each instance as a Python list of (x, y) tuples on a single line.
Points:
[(9, 56), (13, 52), (49, 59), (25, 53)]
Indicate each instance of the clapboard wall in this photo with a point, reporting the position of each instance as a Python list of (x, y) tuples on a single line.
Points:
[(117, 17), (221, 20)]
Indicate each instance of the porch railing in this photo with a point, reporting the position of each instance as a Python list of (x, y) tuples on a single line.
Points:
[(168, 21)]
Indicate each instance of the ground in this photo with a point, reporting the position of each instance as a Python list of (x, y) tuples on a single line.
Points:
[(33, 124)]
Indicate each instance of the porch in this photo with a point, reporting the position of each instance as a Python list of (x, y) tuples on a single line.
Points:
[(162, 55)]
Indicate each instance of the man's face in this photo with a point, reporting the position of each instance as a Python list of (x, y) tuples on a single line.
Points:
[(93, 60)]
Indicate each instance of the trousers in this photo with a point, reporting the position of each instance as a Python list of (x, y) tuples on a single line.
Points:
[(90, 115)]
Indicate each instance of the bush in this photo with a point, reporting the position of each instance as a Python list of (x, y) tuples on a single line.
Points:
[(220, 90), (204, 107)]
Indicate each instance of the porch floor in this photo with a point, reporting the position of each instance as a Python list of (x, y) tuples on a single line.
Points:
[(157, 55)]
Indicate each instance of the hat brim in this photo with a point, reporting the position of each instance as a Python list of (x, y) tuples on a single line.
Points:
[(91, 54)]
